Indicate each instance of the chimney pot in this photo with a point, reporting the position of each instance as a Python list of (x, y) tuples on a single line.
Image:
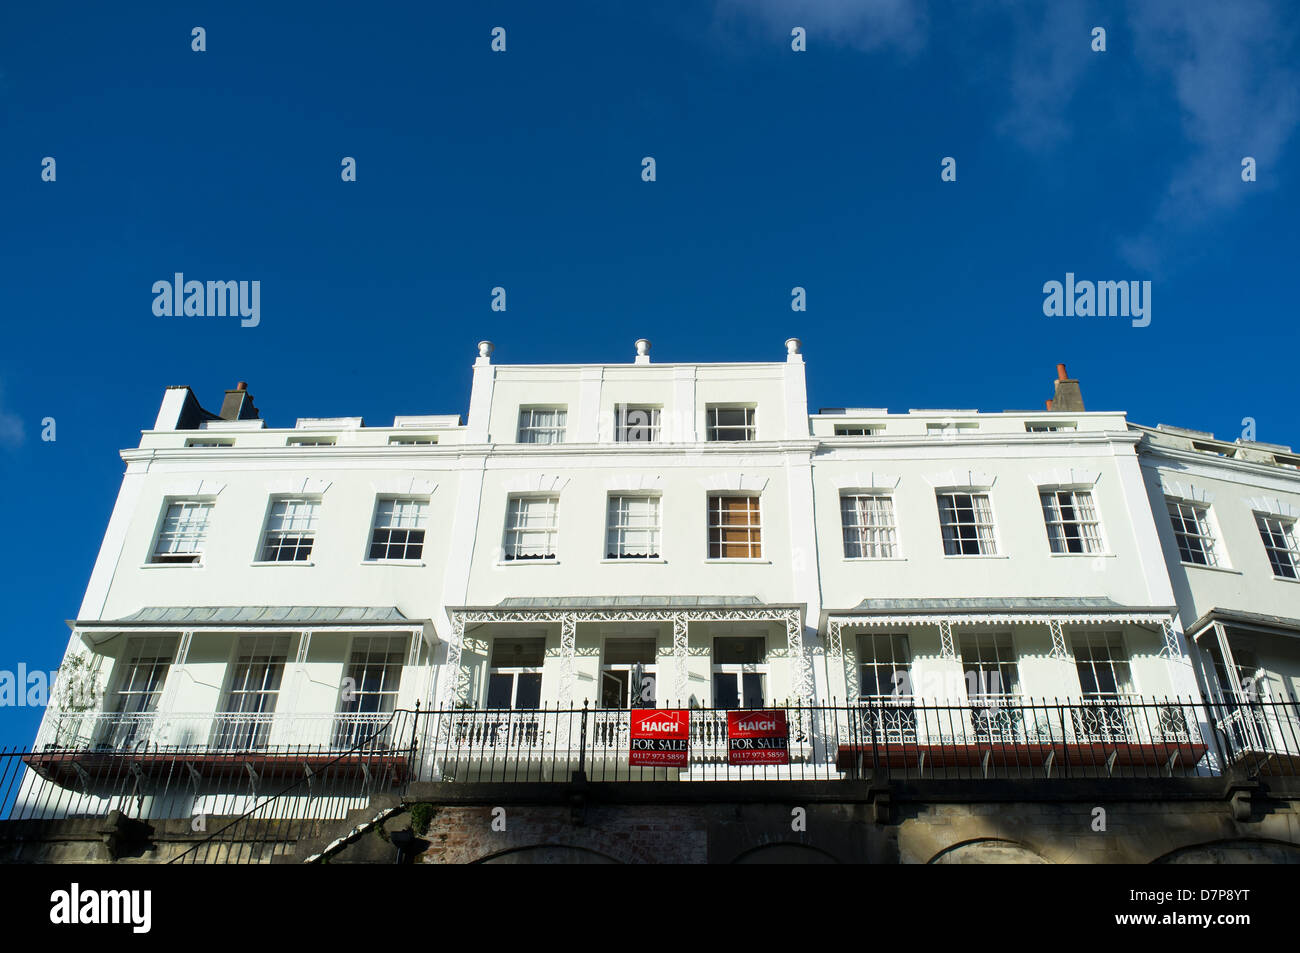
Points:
[(242, 385), (1060, 373), (1049, 404)]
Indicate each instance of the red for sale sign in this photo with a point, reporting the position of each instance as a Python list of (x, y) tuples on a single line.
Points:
[(757, 737), (660, 737)]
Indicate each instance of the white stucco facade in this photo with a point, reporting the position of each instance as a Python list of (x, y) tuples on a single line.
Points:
[(805, 556)]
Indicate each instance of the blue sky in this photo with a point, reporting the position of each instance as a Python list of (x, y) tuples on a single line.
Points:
[(522, 169)]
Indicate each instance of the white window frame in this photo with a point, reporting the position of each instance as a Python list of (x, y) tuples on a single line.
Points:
[(249, 728), (514, 671), (530, 431), (885, 536), (712, 429), (1116, 651), (376, 649), (157, 653), (1086, 520), (895, 663), (977, 643), (638, 423), (649, 670), (751, 528), (615, 532), (740, 669), (1206, 533), (991, 524), (1278, 534), (511, 543), (187, 505), (310, 532), (421, 526)]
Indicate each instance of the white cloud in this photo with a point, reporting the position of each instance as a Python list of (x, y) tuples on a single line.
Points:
[(1047, 57), (1236, 92)]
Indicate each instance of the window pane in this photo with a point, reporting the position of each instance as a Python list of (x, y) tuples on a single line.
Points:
[(734, 530), (531, 527), (632, 527), (1191, 525), (398, 532), (183, 532), (542, 425), (290, 531), (966, 520), (1071, 520), (529, 693), (726, 690)]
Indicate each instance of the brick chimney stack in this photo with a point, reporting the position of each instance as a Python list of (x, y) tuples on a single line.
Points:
[(238, 404), (1068, 397)]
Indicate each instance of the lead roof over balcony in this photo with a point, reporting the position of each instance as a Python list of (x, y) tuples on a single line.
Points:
[(1000, 604), (252, 615), (628, 602)]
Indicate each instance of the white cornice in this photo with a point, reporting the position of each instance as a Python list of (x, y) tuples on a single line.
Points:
[(1238, 471)]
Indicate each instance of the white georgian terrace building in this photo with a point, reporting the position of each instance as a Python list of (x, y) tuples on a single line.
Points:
[(1227, 515), (644, 533)]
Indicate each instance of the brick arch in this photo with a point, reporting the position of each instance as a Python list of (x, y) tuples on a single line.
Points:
[(785, 852), (988, 850), (1234, 850), (548, 854)]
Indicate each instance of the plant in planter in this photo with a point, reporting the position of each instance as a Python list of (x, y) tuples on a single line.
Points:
[(75, 693)]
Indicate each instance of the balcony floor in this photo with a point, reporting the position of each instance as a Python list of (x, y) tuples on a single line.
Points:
[(62, 766), (1013, 754)]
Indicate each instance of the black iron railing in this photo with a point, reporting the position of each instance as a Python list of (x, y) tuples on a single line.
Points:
[(258, 802)]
